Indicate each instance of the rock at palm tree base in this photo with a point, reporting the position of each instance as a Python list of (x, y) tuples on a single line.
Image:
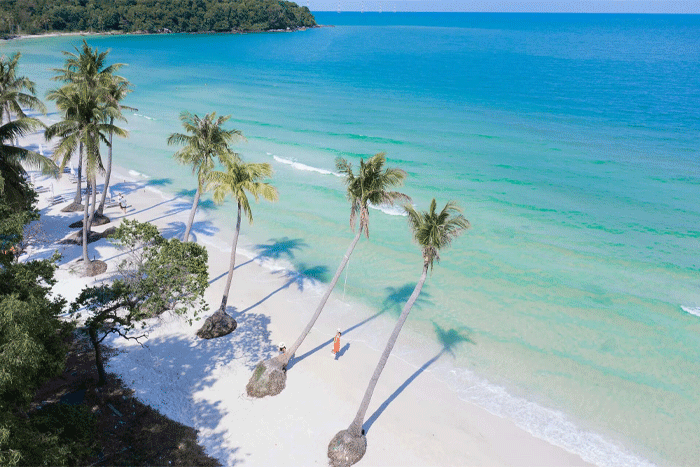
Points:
[(269, 378), (217, 325), (346, 449), (94, 268), (100, 219), (73, 207)]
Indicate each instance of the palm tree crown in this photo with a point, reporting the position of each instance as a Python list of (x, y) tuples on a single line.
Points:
[(86, 66), (12, 96), (434, 231), (370, 186), (238, 178), (206, 140)]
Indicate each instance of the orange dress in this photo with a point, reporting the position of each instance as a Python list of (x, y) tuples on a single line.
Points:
[(336, 344)]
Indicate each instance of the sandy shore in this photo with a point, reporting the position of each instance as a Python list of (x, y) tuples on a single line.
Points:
[(413, 420)]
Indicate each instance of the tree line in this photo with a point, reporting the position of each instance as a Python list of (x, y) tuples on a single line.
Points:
[(128, 16), (158, 275)]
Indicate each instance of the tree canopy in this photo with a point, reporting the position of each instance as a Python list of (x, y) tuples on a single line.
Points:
[(41, 16)]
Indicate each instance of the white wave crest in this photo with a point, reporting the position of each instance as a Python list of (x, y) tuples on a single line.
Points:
[(304, 167), (389, 209), (134, 173), (693, 310), (144, 116)]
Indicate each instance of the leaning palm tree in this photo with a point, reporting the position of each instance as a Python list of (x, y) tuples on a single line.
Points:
[(240, 177), (13, 161), (432, 231), (205, 141), (369, 186), (13, 97), (117, 89)]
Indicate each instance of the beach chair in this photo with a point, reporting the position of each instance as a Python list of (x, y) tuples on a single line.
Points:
[(111, 202)]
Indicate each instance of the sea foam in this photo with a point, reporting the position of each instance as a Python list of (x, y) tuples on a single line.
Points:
[(693, 310), (304, 167)]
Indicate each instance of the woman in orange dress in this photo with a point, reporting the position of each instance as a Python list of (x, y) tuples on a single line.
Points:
[(336, 343)]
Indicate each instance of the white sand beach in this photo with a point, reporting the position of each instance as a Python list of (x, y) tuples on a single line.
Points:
[(413, 420)]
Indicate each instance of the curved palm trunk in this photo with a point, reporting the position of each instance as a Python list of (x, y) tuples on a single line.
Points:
[(101, 209), (78, 191), (290, 353), (356, 426), (86, 259), (192, 212), (222, 308), (93, 202), (102, 377)]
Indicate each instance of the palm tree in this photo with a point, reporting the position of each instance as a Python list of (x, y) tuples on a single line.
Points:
[(117, 89), (12, 87), (240, 177), (13, 159), (432, 231), (86, 68), (369, 186), (83, 126), (206, 140)]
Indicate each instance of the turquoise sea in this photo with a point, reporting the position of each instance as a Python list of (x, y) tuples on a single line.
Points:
[(571, 141)]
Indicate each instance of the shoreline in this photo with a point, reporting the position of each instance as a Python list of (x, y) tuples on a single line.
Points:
[(202, 383)]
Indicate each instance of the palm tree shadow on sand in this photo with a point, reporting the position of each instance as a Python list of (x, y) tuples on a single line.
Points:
[(395, 298), (449, 339), (275, 248), (299, 277)]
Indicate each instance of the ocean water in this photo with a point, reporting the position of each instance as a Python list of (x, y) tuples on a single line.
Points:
[(571, 141)]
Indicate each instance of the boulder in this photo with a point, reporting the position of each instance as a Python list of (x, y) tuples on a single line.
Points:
[(269, 378), (345, 449), (217, 325)]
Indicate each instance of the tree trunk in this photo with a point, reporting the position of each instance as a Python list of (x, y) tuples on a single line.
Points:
[(356, 426), (102, 378), (290, 353), (93, 202), (86, 259), (101, 209), (233, 261), (78, 192), (192, 212)]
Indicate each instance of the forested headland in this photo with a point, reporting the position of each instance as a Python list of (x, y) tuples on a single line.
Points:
[(150, 16)]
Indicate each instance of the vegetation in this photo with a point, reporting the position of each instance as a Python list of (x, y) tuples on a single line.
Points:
[(432, 231), (372, 185), (17, 93), (87, 106), (42, 16), (205, 141), (238, 178), (158, 275)]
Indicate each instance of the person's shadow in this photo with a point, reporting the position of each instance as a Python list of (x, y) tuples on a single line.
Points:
[(342, 351)]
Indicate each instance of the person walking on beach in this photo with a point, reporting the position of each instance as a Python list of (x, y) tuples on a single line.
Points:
[(282, 347), (336, 343), (122, 203)]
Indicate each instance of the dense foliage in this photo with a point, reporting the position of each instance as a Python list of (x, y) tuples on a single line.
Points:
[(157, 275), (40, 16)]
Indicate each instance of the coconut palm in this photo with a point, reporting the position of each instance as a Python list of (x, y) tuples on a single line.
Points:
[(369, 186), (83, 127), (13, 160), (432, 231), (86, 68), (240, 177), (13, 97), (117, 89), (205, 141)]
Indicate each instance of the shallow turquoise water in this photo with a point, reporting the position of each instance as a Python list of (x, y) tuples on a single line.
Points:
[(571, 141)]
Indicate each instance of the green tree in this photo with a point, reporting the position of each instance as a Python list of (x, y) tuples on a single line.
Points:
[(240, 177), (16, 92), (432, 231), (371, 185), (206, 140), (117, 90), (158, 275), (13, 160)]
